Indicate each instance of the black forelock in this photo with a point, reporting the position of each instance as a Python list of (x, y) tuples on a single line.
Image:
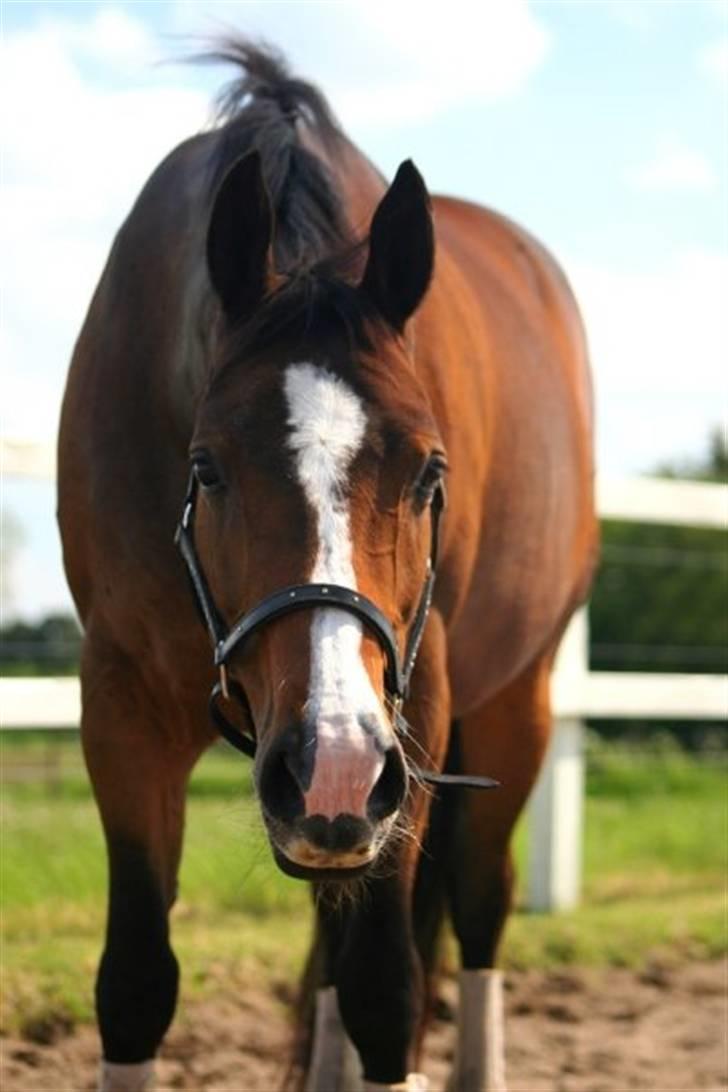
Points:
[(317, 260), (318, 307), (261, 110)]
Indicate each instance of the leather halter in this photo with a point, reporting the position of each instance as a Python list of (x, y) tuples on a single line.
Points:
[(295, 597)]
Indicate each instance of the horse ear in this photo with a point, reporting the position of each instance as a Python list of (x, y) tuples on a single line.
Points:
[(239, 237), (401, 248)]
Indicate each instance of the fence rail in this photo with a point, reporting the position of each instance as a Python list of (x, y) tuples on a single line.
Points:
[(30, 702), (557, 803)]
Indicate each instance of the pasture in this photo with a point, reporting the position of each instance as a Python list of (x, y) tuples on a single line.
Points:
[(653, 907)]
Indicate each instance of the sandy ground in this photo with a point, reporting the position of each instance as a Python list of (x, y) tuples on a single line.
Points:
[(572, 1031)]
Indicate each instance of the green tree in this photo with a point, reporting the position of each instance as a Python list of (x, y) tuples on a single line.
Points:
[(710, 467), (48, 647), (660, 598), (660, 601)]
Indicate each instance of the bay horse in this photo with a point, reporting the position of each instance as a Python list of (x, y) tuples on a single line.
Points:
[(335, 389)]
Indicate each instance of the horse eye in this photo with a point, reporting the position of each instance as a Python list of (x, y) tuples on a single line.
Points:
[(430, 477), (206, 470)]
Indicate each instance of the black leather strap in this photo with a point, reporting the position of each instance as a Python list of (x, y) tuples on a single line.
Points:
[(239, 739), (184, 539), (301, 596), (456, 781)]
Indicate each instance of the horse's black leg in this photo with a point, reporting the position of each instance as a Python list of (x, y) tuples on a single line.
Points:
[(139, 777), (373, 966), (506, 740), (136, 987), (431, 888)]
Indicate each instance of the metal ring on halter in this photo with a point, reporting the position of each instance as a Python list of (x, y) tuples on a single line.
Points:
[(239, 739)]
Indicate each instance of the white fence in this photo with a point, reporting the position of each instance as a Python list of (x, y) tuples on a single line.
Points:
[(557, 804)]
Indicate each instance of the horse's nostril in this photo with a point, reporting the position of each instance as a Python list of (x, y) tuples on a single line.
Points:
[(280, 793), (391, 788)]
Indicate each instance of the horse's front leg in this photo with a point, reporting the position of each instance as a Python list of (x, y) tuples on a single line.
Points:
[(139, 773), (380, 982), (505, 739)]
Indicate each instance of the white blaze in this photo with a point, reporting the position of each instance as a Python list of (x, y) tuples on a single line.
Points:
[(327, 423)]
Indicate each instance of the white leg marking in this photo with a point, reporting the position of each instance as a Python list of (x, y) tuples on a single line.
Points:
[(126, 1078), (327, 425), (414, 1082), (335, 1065), (480, 1053)]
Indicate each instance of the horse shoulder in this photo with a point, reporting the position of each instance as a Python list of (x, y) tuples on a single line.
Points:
[(128, 403)]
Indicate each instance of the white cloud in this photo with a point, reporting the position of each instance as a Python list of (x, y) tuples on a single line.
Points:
[(388, 63), (713, 62), (76, 150), (110, 36), (636, 14), (719, 8), (674, 166), (659, 346)]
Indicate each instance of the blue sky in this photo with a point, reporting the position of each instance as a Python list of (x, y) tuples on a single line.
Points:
[(600, 126)]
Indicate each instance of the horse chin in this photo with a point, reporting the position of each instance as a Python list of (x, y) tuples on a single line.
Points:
[(336, 875), (297, 856)]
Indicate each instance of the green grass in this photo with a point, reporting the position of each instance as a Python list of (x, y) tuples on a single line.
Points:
[(654, 878)]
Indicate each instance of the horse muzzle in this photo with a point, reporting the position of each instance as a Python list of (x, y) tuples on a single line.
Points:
[(330, 803)]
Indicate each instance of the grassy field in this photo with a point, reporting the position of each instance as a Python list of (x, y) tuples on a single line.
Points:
[(655, 870)]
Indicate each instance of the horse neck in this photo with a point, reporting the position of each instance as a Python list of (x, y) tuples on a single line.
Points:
[(356, 178)]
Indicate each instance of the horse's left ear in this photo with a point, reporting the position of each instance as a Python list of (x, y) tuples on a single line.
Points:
[(239, 237), (401, 248)]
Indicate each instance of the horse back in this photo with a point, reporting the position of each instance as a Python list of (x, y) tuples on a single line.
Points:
[(504, 352)]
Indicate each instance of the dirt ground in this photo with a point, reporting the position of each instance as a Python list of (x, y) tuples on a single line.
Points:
[(572, 1031)]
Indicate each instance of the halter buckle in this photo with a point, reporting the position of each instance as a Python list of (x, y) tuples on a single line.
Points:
[(224, 682)]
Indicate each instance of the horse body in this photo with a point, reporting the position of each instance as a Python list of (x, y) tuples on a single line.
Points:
[(515, 402), (492, 369)]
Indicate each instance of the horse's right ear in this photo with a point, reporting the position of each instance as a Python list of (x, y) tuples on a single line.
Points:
[(401, 248), (239, 238)]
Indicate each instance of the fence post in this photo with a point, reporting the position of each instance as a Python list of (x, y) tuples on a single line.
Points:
[(557, 804)]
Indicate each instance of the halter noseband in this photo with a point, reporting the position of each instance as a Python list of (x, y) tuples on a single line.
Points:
[(295, 597)]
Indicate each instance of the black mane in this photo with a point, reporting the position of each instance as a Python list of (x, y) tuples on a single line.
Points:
[(262, 109)]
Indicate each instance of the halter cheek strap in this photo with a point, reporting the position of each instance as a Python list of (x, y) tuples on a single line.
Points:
[(296, 597)]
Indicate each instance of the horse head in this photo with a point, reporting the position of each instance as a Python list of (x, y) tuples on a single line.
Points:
[(316, 460)]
